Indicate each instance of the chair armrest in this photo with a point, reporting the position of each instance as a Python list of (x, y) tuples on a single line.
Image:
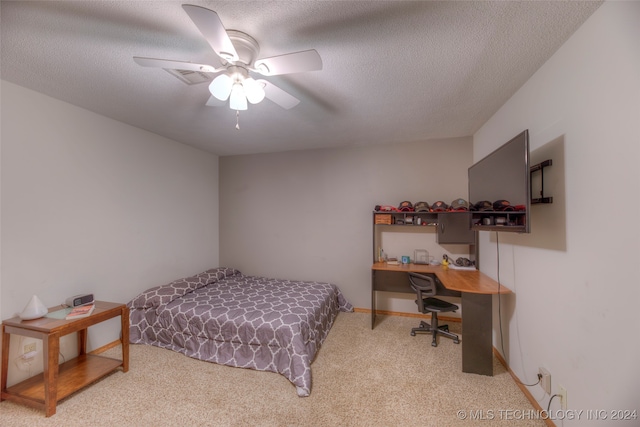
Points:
[(430, 287)]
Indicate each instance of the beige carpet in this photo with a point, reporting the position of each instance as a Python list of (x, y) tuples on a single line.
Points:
[(361, 377)]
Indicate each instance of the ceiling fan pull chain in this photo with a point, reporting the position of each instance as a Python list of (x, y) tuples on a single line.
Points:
[(237, 120)]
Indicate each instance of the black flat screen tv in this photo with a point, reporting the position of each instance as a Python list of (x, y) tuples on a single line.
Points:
[(502, 176)]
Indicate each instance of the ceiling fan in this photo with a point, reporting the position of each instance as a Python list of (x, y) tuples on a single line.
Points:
[(238, 53)]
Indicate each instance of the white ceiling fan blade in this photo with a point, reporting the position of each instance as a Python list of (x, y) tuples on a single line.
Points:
[(307, 60), (213, 31), (279, 96), (174, 65)]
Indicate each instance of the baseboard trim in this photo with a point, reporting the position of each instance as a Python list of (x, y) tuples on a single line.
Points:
[(522, 387), (403, 314)]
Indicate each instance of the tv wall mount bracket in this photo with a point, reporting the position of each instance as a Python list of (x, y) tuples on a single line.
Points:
[(533, 169)]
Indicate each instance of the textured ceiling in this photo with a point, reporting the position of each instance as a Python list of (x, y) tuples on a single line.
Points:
[(393, 71)]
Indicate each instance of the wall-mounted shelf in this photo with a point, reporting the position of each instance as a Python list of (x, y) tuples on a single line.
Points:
[(535, 168), (451, 227), (499, 221)]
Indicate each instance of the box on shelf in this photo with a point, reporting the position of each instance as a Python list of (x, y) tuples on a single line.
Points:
[(383, 218)]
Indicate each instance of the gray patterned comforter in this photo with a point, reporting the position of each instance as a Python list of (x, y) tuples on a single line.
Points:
[(251, 322)]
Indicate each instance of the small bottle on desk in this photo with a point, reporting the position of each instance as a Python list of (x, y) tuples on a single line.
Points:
[(445, 261)]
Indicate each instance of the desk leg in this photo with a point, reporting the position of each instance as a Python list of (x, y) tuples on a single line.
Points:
[(124, 319), (373, 298), (477, 329), (5, 361), (50, 355)]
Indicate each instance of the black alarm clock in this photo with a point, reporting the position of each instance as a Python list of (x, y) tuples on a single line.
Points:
[(78, 300)]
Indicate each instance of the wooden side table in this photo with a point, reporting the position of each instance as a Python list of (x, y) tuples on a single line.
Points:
[(58, 381)]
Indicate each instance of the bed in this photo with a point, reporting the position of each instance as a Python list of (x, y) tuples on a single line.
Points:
[(225, 317)]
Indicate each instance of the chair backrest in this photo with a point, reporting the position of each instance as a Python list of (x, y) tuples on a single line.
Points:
[(424, 286)]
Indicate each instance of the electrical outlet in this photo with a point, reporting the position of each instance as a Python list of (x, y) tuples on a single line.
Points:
[(545, 380), (29, 356), (28, 348), (563, 397)]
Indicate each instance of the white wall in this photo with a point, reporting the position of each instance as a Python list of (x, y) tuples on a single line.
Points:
[(308, 214), (575, 308), (93, 205)]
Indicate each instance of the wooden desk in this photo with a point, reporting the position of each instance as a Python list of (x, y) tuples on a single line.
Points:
[(58, 381), (476, 290)]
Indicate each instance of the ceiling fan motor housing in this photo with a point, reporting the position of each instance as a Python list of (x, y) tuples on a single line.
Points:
[(246, 46)]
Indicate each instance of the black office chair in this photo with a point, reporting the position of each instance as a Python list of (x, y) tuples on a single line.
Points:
[(425, 288)]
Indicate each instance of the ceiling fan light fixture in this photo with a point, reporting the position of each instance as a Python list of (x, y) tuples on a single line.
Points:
[(221, 87), (237, 100), (253, 90), (237, 52)]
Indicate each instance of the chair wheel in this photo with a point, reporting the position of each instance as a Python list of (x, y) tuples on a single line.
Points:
[(456, 341), (413, 334), (434, 344)]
